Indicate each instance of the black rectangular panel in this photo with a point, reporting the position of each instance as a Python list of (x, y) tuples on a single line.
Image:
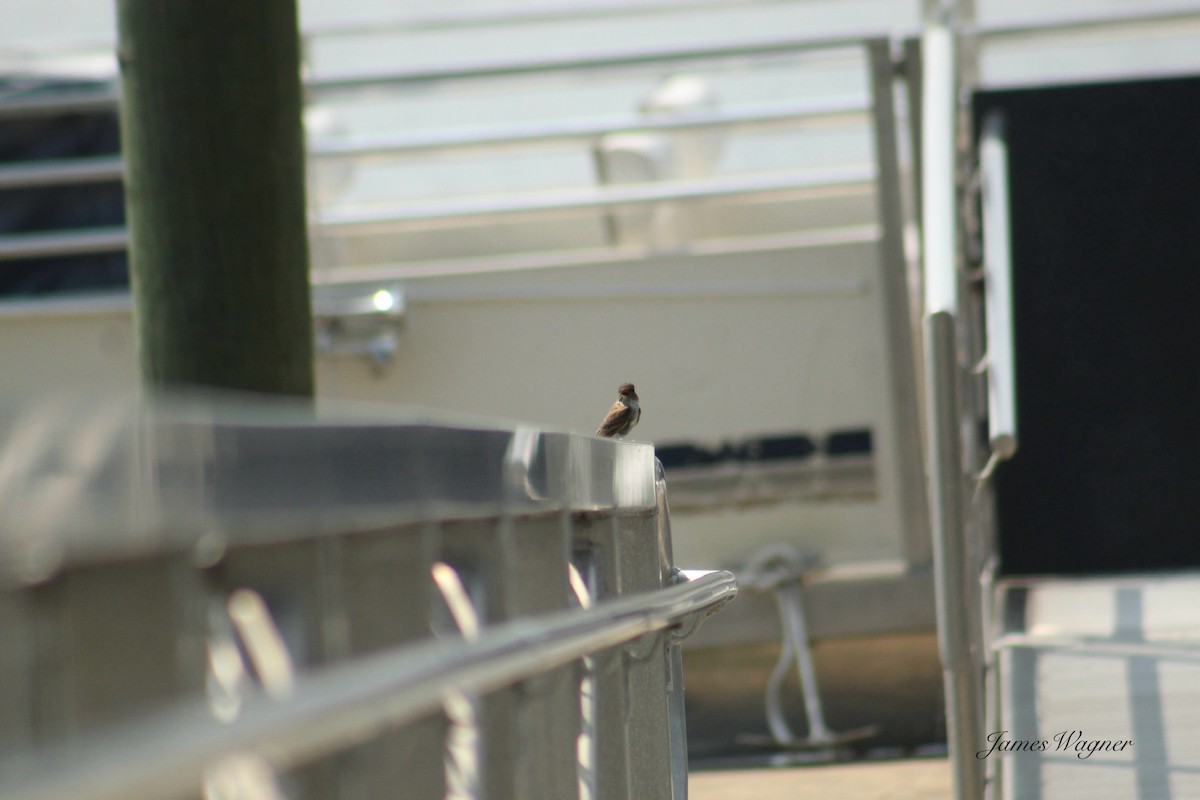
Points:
[(1105, 187)]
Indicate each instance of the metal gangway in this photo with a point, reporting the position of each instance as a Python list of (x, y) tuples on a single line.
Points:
[(227, 599)]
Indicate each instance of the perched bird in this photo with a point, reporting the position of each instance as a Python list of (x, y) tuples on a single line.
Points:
[(623, 415)]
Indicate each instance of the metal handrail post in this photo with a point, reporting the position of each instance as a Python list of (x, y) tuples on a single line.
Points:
[(961, 671), (997, 248), (963, 686), (676, 718), (892, 290)]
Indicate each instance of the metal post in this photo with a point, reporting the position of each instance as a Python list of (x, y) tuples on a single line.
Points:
[(905, 447), (963, 684), (939, 230), (939, 206), (214, 154), (997, 250), (646, 665), (668, 574), (914, 81), (950, 63)]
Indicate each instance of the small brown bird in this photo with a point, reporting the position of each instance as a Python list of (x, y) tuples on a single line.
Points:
[(623, 415)]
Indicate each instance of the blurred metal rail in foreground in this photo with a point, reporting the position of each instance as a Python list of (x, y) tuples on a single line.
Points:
[(248, 601), (349, 703)]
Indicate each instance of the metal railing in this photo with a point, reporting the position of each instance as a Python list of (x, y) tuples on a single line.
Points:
[(350, 703), (449, 211), (483, 17), (335, 221), (88, 170), (72, 171), (526, 134), (350, 242), (614, 60), (345, 605)]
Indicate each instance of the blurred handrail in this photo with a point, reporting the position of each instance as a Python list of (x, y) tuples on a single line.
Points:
[(738, 49), (93, 169), (103, 98), (449, 20), (442, 20), (1069, 23), (1166, 649), (347, 703), (61, 172), (832, 178), (77, 171), (565, 130), (615, 59), (109, 239), (17, 246)]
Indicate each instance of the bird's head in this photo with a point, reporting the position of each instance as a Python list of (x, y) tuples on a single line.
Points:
[(627, 390)]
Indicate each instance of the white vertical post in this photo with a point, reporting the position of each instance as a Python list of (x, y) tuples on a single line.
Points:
[(997, 253), (939, 218)]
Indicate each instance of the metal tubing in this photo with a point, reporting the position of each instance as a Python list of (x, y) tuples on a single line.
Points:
[(485, 17), (962, 675), (1072, 23), (57, 104), (61, 172), (121, 302), (892, 289), (791, 614), (567, 130), (103, 240), (1100, 648), (668, 574), (914, 81), (62, 243), (334, 708), (832, 179), (677, 719), (107, 98), (997, 253), (613, 60), (83, 305), (766, 47), (666, 553), (449, 20), (939, 209)]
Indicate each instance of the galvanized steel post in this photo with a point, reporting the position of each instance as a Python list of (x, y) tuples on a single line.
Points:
[(953, 571)]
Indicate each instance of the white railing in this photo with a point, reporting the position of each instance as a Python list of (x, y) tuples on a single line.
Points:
[(493, 137)]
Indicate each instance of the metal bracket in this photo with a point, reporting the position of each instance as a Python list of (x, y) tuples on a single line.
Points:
[(359, 320), (780, 570), (644, 647)]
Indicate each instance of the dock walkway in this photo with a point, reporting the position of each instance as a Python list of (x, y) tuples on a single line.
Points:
[(912, 779)]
